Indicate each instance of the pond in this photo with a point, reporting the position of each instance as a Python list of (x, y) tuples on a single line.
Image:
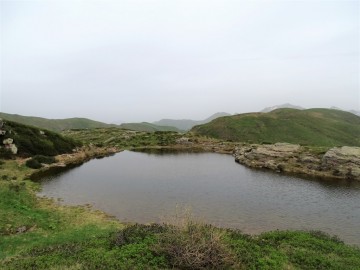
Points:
[(149, 187)]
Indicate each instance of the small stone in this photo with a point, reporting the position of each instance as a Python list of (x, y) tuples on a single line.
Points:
[(21, 229)]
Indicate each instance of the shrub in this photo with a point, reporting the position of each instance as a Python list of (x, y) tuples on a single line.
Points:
[(44, 159), (194, 246), (135, 233), (30, 142), (187, 244), (5, 153), (34, 164)]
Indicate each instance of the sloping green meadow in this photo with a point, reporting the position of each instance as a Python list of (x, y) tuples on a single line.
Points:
[(316, 127)]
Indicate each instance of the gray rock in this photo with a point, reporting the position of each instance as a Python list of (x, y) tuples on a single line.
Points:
[(183, 140), (344, 161), (342, 155), (8, 141), (309, 159), (21, 229), (13, 149), (339, 162)]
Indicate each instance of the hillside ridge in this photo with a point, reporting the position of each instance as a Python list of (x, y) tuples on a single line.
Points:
[(317, 126)]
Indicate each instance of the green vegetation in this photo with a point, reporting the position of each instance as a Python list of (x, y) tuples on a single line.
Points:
[(33, 164), (148, 127), (33, 141), (44, 159), (56, 125), (125, 139), (36, 161), (318, 127)]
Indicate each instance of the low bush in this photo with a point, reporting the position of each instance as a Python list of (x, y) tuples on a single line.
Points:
[(36, 161), (30, 141), (5, 153), (194, 246), (44, 159), (33, 164), (135, 233)]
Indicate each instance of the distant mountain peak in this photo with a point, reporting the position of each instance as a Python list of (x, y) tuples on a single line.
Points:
[(286, 105), (356, 112), (187, 124)]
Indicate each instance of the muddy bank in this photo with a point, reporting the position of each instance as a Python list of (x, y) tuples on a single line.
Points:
[(336, 163)]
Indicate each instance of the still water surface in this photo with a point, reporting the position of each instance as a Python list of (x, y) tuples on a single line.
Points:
[(148, 187)]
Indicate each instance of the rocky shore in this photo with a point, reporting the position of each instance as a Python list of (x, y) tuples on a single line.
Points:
[(336, 163), (78, 157)]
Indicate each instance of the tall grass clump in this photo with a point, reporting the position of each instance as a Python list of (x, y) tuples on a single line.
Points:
[(190, 244)]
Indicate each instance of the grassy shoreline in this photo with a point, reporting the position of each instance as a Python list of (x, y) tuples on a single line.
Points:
[(38, 233)]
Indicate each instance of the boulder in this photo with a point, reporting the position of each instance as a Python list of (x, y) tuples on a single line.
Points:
[(8, 141), (342, 155), (183, 140), (13, 149), (343, 161)]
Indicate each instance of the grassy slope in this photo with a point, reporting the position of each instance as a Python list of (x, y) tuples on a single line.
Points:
[(54, 124), (322, 127), (147, 127), (58, 125), (30, 141)]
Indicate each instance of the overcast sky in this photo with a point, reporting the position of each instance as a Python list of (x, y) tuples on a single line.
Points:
[(147, 60)]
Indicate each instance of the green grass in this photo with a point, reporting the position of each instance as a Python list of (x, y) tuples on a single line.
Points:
[(293, 250), (319, 127)]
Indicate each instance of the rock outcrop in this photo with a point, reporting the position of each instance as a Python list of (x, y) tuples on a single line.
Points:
[(343, 161), (2, 132), (8, 142), (339, 162)]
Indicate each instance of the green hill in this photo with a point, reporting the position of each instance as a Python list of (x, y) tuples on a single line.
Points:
[(56, 125), (325, 127), (31, 141), (147, 127)]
